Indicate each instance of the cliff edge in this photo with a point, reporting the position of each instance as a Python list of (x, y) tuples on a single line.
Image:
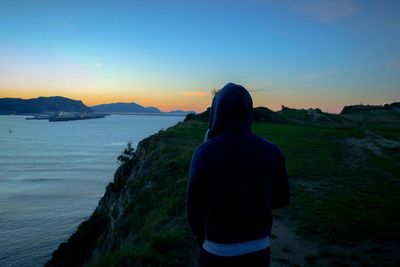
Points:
[(140, 220)]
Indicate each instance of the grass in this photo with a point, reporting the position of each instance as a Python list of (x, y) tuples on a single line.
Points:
[(309, 151), (382, 122), (155, 227), (340, 193)]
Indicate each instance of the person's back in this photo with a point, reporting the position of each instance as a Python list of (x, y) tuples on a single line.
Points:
[(236, 178)]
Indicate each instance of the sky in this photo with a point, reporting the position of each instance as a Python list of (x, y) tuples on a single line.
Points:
[(172, 54)]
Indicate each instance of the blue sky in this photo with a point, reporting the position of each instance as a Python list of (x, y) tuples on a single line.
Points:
[(171, 54)]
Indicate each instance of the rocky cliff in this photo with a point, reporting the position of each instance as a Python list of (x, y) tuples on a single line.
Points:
[(141, 221)]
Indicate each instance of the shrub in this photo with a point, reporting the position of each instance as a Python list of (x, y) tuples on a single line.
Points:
[(127, 154)]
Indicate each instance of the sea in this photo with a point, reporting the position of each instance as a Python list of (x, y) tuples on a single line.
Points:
[(53, 174)]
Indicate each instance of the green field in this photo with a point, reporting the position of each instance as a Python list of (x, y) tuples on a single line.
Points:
[(342, 194), (344, 210)]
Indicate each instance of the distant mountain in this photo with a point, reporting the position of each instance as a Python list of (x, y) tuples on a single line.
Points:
[(124, 108), (41, 105)]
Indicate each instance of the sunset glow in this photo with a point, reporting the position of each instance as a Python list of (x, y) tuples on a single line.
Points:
[(172, 54)]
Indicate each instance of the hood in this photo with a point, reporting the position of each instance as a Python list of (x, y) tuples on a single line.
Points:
[(232, 107)]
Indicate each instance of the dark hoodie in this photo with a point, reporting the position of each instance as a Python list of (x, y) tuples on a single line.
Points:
[(236, 177)]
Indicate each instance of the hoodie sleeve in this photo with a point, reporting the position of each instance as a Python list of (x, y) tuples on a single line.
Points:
[(195, 198), (280, 189)]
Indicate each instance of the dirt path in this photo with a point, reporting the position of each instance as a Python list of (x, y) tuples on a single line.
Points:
[(374, 143), (290, 249)]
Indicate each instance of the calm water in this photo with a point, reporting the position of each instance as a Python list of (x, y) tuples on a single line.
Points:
[(52, 176)]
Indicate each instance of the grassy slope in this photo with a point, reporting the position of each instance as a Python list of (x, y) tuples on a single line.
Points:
[(158, 231), (340, 193), (382, 122), (302, 117)]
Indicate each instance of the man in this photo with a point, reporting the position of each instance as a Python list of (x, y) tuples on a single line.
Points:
[(236, 178)]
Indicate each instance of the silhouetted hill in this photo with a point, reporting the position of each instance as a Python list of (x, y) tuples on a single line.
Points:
[(124, 108), (263, 114), (302, 117), (381, 119), (314, 117), (362, 108), (260, 114), (41, 105)]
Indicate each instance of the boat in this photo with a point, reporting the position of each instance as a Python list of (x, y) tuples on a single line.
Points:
[(10, 131)]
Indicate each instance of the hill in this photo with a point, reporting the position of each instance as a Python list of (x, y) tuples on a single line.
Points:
[(365, 108), (263, 114), (314, 117), (41, 105), (301, 117), (260, 114), (383, 120), (124, 108), (344, 211)]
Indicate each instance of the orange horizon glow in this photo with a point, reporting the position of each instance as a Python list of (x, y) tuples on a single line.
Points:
[(165, 103), (196, 101)]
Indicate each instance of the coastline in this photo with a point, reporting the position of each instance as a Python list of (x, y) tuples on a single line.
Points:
[(141, 206), (54, 175), (141, 220)]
